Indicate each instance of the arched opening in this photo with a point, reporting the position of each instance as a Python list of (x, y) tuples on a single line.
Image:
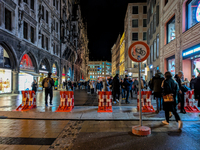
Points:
[(27, 73), (63, 74), (69, 74), (55, 71), (5, 71)]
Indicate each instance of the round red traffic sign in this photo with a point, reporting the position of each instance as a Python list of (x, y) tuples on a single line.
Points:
[(138, 51)]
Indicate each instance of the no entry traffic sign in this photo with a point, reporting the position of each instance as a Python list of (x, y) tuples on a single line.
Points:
[(138, 51)]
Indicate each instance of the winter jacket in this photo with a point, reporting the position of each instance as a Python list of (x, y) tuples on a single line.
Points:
[(106, 86), (170, 86), (197, 88), (136, 83), (131, 84), (115, 84), (156, 82), (178, 80), (192, 83), (127, 84), (98, 86)]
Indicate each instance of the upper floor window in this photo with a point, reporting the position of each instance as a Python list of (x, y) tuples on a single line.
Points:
[(47, 43), (32, 4), (166, 1), (54, 2), (57, 27), (43, 12), (26, 1), (135, 10), (171, 30), (8, 19), (25, 30), (32, 35), (135, 23), (144, 9), (144, 22), (42, 41), (47, 17), (157, 15), (144, 36), (135, 36), (57, 4), (192, 13)]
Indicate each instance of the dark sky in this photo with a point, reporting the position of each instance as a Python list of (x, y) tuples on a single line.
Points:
[(105, 21)]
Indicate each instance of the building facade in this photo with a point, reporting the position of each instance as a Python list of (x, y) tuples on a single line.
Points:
[(135, 29), (99, 69), (113, 55), (122, 57), (153, 30), (31, 44), (179, 34)]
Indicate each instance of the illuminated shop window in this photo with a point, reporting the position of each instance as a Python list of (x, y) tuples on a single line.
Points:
[(192, 13), (171, 30)]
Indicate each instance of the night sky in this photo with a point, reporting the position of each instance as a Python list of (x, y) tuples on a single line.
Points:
[(105, 21)]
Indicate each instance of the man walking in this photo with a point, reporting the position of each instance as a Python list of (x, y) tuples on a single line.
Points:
[(116, 88), (48, 83), (127, 88), (192, 82), (156, 83), (136, 83)]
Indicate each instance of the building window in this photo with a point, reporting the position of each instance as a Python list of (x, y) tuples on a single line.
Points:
[(47, 17), (157, 39), (154, 23), (8, 19), (54, 47), (134, 36), (166, 1), (25, 30), (42, 41), (151, 29), (43, 12), (32, 4), (154, 50), (57, 49), (171, 30), (26, 1), (148, 37), (144, 9), (135, 23), (54, 2), (148, 16), (32, 35), (47, 43), (135, 10), (157, 15), (151, 57), (57, 27), (144, 36), (57, 4), (144, 22), (192, 13)]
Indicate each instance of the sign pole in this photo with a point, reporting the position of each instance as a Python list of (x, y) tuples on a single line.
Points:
[(140, 109)]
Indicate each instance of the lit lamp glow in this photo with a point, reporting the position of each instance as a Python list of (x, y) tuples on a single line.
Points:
[(130, 74)]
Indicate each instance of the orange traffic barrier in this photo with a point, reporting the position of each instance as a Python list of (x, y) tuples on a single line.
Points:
[(28, 101), (66, 101), (189, 103), (105, 101), (146, 97)]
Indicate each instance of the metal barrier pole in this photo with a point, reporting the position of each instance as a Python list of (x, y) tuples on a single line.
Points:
[(139, 66)]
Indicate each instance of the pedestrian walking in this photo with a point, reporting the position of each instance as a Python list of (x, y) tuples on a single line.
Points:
[(92, 87), (156, 83), (122, 86), (127, 88), (192, 82), (136, 83), (48, 83), (74, 85), (178, 78), (131, 87), (197, 90), (34, 86), (170, 96), (105, 85), (98, 86), (116, 89)]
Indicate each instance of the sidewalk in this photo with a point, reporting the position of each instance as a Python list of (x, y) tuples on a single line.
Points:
[(90, 113)]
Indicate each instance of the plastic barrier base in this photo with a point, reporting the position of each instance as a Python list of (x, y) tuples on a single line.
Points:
[(191, 109), (147, 109), (64, 109), (105, 109), (25, 108)]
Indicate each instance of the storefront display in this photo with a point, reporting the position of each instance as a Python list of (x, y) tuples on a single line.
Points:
[(171, 65), (195, 66), (5, 81), (63, 75), (171, 30), (43, 72), (25, 81)]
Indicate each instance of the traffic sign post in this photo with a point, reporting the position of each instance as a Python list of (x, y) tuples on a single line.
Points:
[(139, 52)]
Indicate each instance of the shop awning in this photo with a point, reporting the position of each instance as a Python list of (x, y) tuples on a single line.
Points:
[(31, 73)]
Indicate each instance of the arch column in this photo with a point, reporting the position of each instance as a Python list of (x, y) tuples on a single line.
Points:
[(15, 81)]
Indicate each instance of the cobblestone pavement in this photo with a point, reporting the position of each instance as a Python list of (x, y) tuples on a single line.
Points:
[(96, 135)]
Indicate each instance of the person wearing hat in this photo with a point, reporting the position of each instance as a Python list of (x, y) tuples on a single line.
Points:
[(48, 83)]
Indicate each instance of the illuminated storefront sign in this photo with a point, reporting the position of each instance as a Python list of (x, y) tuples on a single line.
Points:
[(26, 63), (190, 52), (198, 13)]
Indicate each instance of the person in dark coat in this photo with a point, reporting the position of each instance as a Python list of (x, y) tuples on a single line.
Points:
[(122, 86), (197, 90), (98, 86), (192, 82), (116, 88), (131, 89), (127, 88), (156, 87), (170, 86), (178, 78), (34, 86), (136, 83)]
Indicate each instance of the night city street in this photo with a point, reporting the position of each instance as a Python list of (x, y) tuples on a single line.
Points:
[(99, 75)]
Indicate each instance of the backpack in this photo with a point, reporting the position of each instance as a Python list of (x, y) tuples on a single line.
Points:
[(47, 84)]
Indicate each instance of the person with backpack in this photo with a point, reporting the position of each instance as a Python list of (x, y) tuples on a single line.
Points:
[(156, 87), (170, 98), (48, 83)]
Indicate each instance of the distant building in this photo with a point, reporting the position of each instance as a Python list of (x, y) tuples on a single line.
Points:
[(122, 57), (99, 69), (135, 27), (113, 53)]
